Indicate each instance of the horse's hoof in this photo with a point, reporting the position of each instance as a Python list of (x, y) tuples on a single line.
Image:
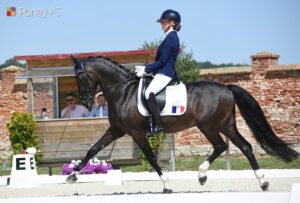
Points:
[(203, 180), (265, 186), (71, 178), (167, 191)]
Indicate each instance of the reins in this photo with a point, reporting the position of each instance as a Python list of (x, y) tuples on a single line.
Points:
[(127, 80)]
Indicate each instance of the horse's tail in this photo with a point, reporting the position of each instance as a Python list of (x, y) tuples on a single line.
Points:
[(256, 120)]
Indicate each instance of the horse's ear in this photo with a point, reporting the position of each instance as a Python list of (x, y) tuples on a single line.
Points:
[(77, 64), (75, 60)]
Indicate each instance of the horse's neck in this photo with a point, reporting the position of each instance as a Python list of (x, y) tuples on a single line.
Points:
[(120, 91), (113, 81)]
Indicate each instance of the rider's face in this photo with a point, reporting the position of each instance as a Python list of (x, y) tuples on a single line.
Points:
[(166, 24)]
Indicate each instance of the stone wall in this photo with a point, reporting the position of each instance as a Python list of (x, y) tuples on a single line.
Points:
[(13, 98), (275, 87)]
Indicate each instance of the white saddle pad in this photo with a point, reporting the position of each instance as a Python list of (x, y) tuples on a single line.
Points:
[(176, 100)]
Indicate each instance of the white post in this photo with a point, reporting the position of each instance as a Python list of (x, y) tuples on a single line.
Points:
[(227, 155), (173, 157), (173, 162)]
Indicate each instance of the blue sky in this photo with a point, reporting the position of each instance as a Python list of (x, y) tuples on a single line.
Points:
[(220, 31)]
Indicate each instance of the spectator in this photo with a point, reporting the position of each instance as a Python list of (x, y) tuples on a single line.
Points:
[(100, 108), (73, 110)]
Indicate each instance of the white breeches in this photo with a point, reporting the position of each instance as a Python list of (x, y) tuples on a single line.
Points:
[(157, 84)]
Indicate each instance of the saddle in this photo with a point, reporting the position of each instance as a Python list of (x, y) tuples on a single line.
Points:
[(161, 96), (172, 100)]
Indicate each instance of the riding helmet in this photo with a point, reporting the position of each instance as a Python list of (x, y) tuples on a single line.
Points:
[(170, 15)]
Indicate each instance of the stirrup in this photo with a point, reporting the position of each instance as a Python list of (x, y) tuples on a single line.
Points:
[(149, 127), (155, 130)]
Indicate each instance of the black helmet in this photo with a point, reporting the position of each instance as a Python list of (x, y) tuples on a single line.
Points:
[(170, 15)]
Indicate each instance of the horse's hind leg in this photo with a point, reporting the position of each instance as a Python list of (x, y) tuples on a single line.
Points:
[(237, 139), (219, 147)]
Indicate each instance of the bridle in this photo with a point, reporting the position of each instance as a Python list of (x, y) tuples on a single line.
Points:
[(87, 94)]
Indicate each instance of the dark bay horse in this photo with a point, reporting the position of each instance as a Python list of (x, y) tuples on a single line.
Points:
[(210, 107)]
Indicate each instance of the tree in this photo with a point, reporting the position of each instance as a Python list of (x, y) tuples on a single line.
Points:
[(186, 67), (22, 133), (207, 64), (151, 45), (10, 62)]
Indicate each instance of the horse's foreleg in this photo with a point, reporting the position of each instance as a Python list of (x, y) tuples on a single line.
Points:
[(142, 142), (109, 136)]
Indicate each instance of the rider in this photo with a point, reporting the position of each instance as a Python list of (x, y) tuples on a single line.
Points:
[(163, 68)]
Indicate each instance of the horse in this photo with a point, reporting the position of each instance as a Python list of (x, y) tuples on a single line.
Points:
[(210, 107)]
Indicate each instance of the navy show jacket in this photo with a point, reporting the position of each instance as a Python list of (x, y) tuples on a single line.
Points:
[(166, 56)]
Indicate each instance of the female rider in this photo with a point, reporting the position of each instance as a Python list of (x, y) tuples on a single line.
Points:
[(163, 68)]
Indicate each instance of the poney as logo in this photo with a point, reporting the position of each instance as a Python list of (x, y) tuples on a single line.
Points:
[(11, 11)]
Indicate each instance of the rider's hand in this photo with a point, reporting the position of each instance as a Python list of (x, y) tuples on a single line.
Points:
[(139, 71), (137, 68)]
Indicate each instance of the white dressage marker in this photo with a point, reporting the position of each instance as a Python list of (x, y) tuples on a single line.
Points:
[(23, 172)]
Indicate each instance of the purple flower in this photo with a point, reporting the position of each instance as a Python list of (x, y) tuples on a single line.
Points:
[(103, 168), (67, 169), (88, 169)]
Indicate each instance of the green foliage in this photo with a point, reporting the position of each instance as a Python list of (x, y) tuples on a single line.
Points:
[(151, 45), (156, 144), (22, 133), (187, 68), (207, 64), (10, 62)]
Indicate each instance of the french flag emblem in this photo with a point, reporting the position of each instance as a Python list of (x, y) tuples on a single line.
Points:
[(177, 109)]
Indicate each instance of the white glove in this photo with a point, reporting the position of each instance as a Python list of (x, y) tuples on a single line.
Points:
[(139, 71), (138, 68)]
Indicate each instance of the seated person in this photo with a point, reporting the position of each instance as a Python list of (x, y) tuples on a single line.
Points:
[(73, 110), (100, 108)]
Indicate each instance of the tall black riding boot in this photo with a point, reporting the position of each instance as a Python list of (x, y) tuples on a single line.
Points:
[(153, 106)]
